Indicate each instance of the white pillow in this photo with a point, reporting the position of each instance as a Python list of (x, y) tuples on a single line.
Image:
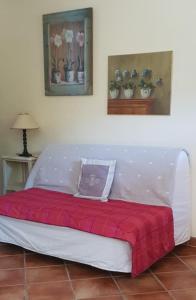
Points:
[(96, 177)]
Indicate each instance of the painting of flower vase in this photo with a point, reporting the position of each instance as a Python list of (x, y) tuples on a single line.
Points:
[(68, 53), (140, 83)]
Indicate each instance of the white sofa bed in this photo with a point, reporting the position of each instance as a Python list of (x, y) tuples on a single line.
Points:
[(149, 175)]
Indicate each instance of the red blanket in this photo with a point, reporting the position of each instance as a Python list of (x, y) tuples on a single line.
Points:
[(148, 228)]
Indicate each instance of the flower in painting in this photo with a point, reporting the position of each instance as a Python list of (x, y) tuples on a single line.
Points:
[(69, 36), (51, 39), (80, 38), (57, 40)]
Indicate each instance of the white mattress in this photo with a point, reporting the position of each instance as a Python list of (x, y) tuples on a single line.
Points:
[(98, 251)]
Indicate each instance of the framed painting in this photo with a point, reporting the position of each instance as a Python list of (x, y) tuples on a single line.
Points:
[(140, 84), (68, 53)]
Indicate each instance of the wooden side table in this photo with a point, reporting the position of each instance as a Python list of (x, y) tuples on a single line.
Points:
[(15, 171), (130, 106)]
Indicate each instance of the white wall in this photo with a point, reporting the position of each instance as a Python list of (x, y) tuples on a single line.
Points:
[(120, 27)]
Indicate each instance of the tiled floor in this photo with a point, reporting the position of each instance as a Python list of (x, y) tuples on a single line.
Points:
[(25, 275)]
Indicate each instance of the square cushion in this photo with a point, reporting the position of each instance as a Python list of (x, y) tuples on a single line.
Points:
[(95, 178)]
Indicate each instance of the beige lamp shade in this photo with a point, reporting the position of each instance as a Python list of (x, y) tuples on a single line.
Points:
[(24, 121)]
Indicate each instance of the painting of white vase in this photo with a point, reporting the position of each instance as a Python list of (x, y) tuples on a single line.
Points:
[(128, 93), (70, 76), (56, 77), (114, 93), (80, 76), (145, 93)]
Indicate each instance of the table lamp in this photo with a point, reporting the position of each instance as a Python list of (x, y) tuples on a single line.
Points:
[(24, 122)]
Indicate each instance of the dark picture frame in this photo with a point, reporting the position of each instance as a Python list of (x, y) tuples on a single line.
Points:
[(68, 45)]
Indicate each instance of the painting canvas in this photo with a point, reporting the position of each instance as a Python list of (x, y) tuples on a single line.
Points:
[(68, 52), (140, 84)]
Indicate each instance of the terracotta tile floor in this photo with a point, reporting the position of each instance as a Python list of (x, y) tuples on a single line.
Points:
[(25, 275)]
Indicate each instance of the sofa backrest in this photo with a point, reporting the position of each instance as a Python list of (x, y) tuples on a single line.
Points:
[(143, 174)]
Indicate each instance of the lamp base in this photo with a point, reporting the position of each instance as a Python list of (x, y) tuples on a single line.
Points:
[(25, 151)]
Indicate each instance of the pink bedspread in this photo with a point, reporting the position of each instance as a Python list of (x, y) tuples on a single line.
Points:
[(148, 228)]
